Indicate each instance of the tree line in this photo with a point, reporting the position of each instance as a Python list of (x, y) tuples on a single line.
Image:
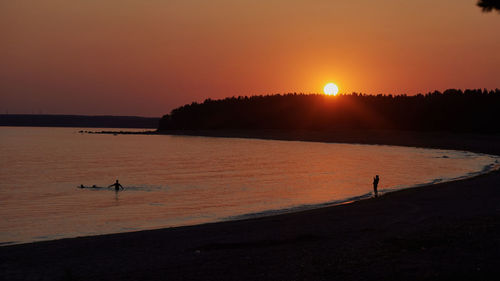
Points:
[(489, 5), (452, 110)]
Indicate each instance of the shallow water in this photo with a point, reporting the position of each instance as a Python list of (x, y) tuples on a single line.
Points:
[(183, 180)]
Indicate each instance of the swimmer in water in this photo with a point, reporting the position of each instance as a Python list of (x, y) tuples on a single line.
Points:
[(117, 186)]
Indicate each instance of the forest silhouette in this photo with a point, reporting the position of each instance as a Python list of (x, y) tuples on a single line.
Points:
[(453, 111)]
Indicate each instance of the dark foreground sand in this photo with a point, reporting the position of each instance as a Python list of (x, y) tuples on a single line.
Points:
[(449, 231)]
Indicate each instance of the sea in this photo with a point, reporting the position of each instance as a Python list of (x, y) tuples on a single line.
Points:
[(172, 181)]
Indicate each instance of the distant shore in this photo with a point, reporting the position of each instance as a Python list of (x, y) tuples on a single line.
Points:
[(80, 121), (480, 143), (440, 232)]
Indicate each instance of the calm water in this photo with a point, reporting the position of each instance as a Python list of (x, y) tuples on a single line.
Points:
[(176, 180)]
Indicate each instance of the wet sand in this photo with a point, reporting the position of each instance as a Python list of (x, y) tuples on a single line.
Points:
[(448, 231)]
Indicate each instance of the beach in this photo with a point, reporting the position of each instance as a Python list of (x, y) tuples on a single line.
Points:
[(438, 232)]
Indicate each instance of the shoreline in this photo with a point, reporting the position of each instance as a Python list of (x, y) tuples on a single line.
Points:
[(339, 136), (479, 143), (223, 250), (288, 210), (368, 196)]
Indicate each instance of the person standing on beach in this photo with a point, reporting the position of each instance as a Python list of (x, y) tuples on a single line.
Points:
[(117, 186), (375, 185)]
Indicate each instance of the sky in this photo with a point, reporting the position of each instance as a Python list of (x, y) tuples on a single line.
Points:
[(145, 58)]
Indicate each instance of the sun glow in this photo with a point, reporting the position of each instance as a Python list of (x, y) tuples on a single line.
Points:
[(331, 89)]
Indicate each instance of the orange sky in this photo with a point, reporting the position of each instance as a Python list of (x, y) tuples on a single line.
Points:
[(145, 58)]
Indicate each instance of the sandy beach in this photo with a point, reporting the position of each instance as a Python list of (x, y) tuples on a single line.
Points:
[(448, 231)]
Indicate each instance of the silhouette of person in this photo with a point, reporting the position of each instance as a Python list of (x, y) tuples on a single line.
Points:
[(375, 185), (117, 186)]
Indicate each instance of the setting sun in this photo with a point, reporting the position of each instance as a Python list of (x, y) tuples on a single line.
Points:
[(331, 89)]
